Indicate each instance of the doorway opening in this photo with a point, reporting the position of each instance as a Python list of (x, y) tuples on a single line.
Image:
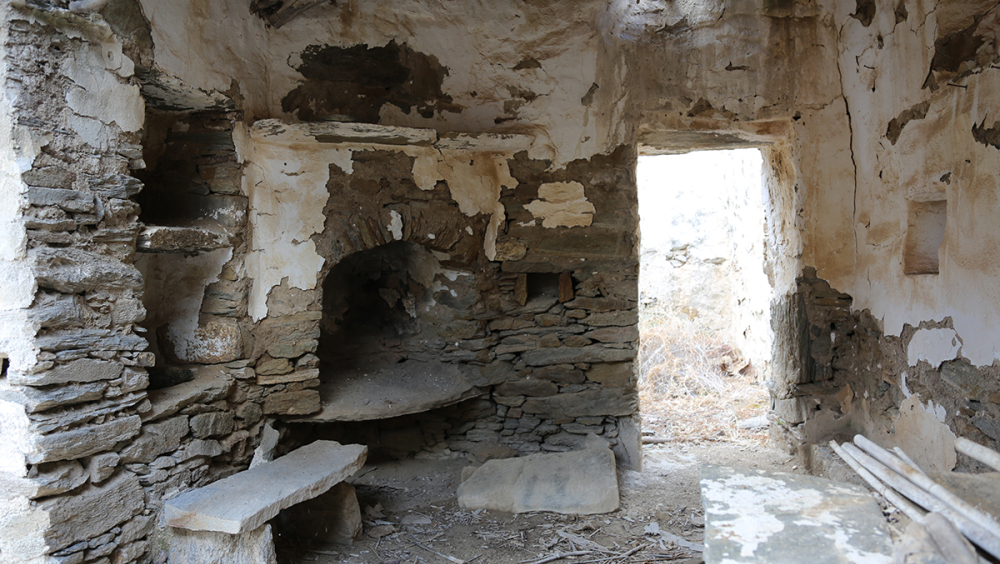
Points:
[(704, 297)]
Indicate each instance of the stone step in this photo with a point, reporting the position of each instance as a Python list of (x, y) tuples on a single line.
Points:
[(245, 501)]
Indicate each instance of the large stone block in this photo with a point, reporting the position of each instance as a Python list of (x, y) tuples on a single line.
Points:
[(35, 400), (608, 401), (217, 340), (614, 375), (583, 482), (82, 442), (45, 480), (91, 339), (92, 511), (613, 319), (571, 355), (72, 271), (69, 200), (302, 402), (213, 424), (528, 387)]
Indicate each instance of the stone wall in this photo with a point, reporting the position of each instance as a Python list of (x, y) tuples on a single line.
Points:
[(855, 378), (73, 388)]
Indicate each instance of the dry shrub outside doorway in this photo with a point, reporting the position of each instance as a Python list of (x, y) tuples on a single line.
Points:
[(693, 386), (704, 318)]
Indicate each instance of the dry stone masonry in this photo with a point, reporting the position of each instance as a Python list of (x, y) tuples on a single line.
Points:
[(239, 227)]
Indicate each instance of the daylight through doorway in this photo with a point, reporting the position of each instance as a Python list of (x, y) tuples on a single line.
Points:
[(705, 335)]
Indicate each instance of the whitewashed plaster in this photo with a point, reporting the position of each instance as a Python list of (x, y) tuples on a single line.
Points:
[(922, 434), (475, 181), (207, 46), (285, 177), (934, 346), (934, 158), (101, 90), (562, 204), (286, 174), (18, 148)]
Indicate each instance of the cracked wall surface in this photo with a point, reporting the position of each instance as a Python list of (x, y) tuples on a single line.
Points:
[(214, 145)]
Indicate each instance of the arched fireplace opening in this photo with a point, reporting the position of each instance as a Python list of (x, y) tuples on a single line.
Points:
[(382, 305), (395, 332)]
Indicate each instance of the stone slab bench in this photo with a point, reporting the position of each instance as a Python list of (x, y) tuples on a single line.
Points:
[(245, 501)]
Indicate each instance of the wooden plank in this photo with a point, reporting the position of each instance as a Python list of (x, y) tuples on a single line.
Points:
[(245, 501)]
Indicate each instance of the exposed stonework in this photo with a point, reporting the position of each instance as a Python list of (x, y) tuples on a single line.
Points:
[(182, 191)]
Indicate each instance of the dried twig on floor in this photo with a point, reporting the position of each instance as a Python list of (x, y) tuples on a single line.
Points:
[(432, 551), (560, 556)]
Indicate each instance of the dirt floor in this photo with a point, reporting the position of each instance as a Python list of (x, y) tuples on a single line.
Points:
[(412, 515)]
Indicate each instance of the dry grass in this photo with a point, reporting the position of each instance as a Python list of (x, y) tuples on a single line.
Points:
[(690, 384)]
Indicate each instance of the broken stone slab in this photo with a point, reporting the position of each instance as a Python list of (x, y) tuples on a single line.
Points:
[(71, 271), (302, 402), (588, 403), (199, 547), (398, 389), (82, 442), (35, 400), (245, 501), (582, 482), (753, 516), (211, 383), (572, 355), (164, 239)]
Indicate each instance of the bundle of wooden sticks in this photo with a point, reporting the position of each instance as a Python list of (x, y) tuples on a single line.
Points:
[(903, 484)]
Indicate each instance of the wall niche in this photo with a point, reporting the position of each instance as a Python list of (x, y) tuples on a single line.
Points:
[(925, 228)]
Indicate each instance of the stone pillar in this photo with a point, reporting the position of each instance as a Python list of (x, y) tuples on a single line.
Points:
[(73, 384)]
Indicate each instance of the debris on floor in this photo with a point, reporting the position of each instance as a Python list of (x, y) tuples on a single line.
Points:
[(753, 516), (660, 518)]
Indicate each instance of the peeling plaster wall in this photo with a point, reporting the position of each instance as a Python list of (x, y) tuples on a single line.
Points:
[(925, 155), (287, 170), (548, 72)]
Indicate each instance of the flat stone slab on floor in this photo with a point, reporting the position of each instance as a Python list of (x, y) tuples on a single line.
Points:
[(398, 389), (582, 482), (778, 518), (245, 501)]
